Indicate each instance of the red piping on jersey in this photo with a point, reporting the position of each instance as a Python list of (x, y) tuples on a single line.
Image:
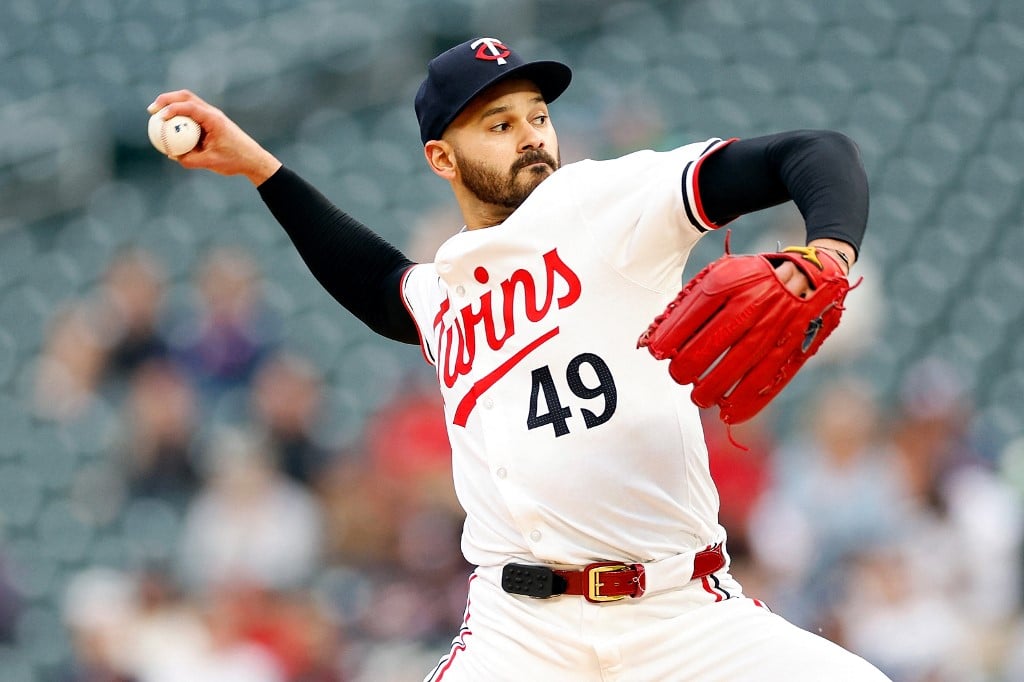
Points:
[(468, 402), (459, 643), (710, 590), (405, 302), (696, 188)]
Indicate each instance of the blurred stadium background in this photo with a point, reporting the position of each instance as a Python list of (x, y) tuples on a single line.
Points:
[(210, 472)]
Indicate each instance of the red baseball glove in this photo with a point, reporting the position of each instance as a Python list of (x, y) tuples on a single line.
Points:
[(739, 335)]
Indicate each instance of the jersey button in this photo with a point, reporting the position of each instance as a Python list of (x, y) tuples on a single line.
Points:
[(535, 536), (460, 290), (488, 403), (502, 473)]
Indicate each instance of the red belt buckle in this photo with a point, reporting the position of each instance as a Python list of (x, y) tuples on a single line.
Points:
[(610, 581)]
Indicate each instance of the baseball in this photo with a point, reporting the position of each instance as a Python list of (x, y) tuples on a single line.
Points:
[(176, 136)]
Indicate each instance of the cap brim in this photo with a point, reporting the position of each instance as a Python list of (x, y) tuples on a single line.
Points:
[(551, 78)]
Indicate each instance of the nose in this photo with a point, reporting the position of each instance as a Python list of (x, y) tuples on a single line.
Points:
[(531, 139)]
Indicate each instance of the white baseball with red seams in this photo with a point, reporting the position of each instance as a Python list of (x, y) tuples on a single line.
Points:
[(175, 136)]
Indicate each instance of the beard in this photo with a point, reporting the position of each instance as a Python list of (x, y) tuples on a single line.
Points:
[(508, 190)]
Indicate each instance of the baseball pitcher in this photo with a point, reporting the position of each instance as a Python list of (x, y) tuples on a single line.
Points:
[(578, 453)]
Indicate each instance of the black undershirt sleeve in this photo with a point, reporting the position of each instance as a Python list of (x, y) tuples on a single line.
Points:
[(355, 265), (820, 170)]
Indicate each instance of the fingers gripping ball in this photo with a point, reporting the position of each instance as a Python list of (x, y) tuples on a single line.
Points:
[(739, 335), (176, 136)]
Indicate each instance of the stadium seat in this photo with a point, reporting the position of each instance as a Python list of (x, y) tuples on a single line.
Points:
[(928, 47), (16, 664), (929, 89)]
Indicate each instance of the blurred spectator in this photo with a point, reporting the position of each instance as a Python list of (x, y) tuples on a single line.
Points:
[(835, 495), (951, 572), (433, 228), (402, 466), (392, 511), (166, 632), (131, 307), (10, 599), (912, 631), (740, 461), (624, 127), (1010, 648), (406, 553), (931, 431), (250, 523), (224, 653), (138, 628), (424, 599), (160, 421), (70, 365), (230, 332), (98, 610), (292, 629), (361, 512), (959, 498), (287, 397), (937, 601), (407, 443)]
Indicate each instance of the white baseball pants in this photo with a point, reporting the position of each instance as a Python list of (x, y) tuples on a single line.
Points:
[(706, 631)]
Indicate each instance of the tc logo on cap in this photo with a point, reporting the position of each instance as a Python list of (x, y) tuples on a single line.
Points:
[(491, 49), (461, 73)]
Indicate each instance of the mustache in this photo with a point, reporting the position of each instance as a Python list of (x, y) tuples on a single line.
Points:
[(534, 156)]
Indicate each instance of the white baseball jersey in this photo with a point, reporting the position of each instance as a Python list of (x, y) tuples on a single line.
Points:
[(569, 444)]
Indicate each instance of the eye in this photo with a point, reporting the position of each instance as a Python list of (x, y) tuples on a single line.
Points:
[(541, 119), (500, 127)]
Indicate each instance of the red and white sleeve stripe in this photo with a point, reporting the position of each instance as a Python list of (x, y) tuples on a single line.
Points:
[(691, 190)]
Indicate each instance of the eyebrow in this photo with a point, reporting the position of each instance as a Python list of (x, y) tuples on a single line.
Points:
[(503, 108)]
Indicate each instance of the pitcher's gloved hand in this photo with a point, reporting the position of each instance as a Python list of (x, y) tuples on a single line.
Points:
[(738, 334)]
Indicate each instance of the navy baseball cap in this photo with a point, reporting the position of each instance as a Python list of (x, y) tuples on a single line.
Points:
[(458, 75)]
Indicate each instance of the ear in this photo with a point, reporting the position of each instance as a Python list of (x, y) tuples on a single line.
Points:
[(441, 158)]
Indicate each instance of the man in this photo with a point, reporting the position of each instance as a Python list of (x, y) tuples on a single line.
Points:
[(591, 514)]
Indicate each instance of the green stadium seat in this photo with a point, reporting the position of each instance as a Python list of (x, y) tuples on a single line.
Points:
[(22, 495), (16, 665), (52, 456), (61, 531), (891, 217), (36, 577), (878, 119), (636, 23), (150, 528), (982, 79), (903, 82), (999, 280), (913, 182), (1003, 43), (969, 221), (42, 635), (929, 89), (996, 181), (938, 147), (17, 253), (317, 335), (1009, 12), (928, 47)]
